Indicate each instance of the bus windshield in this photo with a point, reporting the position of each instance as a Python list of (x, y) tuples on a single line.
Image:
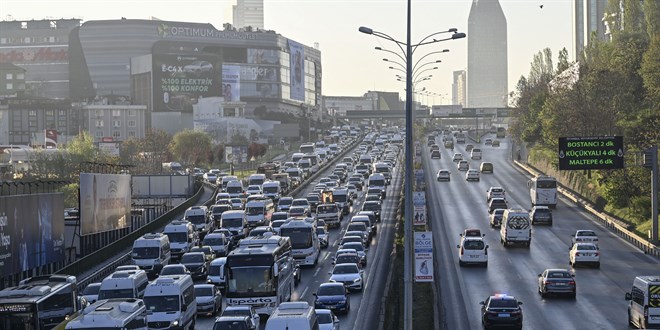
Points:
[(250, 280), (116, 293), (18, 321), (162, 303), (301, 238)]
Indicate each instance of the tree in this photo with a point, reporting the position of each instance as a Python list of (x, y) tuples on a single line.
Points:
[(155, 148), (239, 139), (254, 136), (190, 147), (562, 61), (650, 72)]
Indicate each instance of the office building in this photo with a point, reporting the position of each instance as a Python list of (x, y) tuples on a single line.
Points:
[(487, 83), (249, 13), (458, 88), (587, 19)]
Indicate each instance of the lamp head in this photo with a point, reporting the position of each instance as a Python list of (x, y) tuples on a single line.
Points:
[(366, 30), (378, 48), (452, 30), (458, 35)]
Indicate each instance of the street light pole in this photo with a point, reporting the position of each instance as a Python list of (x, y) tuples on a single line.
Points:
[(408, 212)]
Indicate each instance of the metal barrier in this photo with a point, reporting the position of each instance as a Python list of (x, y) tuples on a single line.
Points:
[(617, 226)]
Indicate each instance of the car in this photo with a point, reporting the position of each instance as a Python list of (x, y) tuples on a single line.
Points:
[(496, 143), (279, 216), (327, 319), (284, 203), (493, 192), (443, 175), (541, 214), (497, 203), (584, 253), (449, 144), (91, 292), (370, 214), (253, 190), (261, 231), (472, 250), (472, 175), (196, 263), (174, 269), (362, 234), (468, 147), (495, 218), (332, 296), (430, 142), (435, 154), (209, 254), (373, 197), (457, 157), (298, 211), (463, 165), (475, 153), (322, 234), (198, 67), (301, 202), (584, 236), (314, 199), (471, 232), (359, 249), (486, 167), (501, 310), (488, 142), (350, 275), (209, 299), (237, 203), (372, 206), (246, 311), (352, 190), (559, 281), (277, 224), (210, 177), (347, 257)]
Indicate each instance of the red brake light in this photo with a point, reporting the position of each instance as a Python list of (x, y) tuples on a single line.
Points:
[(577, 254), (462, 250), (597, 254), (571, 283)]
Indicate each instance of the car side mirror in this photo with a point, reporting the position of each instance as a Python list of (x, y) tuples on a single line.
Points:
[(483, 235), (540, 275), (569, 249), (487, 246), (329, 273), (482, 303), (314, 294), (458, 246), (519, 303), (628, 296)]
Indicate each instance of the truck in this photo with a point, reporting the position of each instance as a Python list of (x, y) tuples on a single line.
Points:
[(172, 167), (284, 180), (330, 213)]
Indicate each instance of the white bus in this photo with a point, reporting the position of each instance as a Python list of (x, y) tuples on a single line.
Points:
[(260, 273), (39, 303), (543, 191), (304, 241), (112, 314)]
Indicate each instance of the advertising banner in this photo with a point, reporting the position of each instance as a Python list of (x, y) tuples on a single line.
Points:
[(423, 256), (31, 231), (297, 70), (109, 148), (51, 139), (236, 154), (105, 202), (419, 203), (263, 56), (231, 83), (179, 80), (259, 73)]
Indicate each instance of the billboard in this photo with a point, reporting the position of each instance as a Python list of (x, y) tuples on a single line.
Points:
[(105, 202), (297, 70), (423, 256), (231, 83), (591, 153), (236, 154), (179, 80), (51, 138), (419, 203), (31, 231), (109, 148), (263, 56)]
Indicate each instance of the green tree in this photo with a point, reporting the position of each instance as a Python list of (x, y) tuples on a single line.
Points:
[(562, 61), (190, 147), (239, 140)]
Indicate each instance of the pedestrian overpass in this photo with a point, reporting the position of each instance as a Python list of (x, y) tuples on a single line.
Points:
[(424, 114)]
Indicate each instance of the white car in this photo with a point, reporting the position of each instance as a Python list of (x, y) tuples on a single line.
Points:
[(210, 177), (463, 165), (209, 299), (254, 190), (584, 236), (472, 250), (443, 175), (495, 192), (472, 175), (244, 310), (584, 253), (327, 319), (457, 157), (348, 274)]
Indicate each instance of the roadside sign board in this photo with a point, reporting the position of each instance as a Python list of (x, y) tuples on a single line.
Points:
[(423, 256), (419, 204), (591, 153)]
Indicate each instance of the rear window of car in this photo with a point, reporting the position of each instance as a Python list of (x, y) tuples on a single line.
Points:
[(473, 245), (503, 303)]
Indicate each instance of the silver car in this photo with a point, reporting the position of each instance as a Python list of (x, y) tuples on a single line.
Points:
[(209, 299), (348, 274)]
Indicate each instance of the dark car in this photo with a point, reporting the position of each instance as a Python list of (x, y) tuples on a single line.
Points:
[(559, 281), (314, 200), (196, 263), (435, 154), (333, 296), (372, 206), (541, 214), (501, 310), (497, 203)]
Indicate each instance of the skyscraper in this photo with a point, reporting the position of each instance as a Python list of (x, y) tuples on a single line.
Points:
[(458, 88), (487, 55), (587, 19), (249, 13)]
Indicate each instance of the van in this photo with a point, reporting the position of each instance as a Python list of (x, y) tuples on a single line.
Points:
[(272, 190), (385, 170), (124, 284), (182, 236), (258, 212), (256, 179), (309, 147), (216, 212), (235, 189), (306, 166), (151, 252), (472, 250), (365, 159), (171, 303), (644, 302), (284, 180), (198, 216), (297, 156), (515, 227), (226, 180), (315, 162), (111, 314), (217, 272), (236, 222), (377, 180), (297, 315)]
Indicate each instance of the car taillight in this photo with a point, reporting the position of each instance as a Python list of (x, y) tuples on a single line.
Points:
[(571, 283), (547, 282), (577, 254), (597, 254), (462, 250), (516, 313)]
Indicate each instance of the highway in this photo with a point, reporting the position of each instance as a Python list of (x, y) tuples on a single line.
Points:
[(459, 204), (365, 305)]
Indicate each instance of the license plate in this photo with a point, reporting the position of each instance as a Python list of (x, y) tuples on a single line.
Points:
[(561, 284), (503, 315), (588, 254), (474, 256)]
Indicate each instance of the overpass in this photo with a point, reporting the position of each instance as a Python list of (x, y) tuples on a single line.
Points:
[(421, 114)]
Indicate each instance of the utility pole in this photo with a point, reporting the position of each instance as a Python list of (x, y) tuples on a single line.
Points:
[(651, 161)]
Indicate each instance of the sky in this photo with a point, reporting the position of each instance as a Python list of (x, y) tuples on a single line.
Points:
[(350, 65)]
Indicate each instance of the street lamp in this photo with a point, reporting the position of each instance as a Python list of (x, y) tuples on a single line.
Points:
[(408, 226)]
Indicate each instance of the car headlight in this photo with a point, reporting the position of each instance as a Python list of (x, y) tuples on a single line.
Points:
[(357, 280), (333, 281), (175, 323)]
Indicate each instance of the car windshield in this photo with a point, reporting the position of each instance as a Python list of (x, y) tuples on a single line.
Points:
[(177, 237), (371, 207), (203, 291), (161, 303), (320, 231), (503, 303), (356, 246), (230, 325), (345, 269), (236, 312), (214, 241), (346, 259), (92, 289), (586, 247), (586, 233), (232, 222), (196, 219), (176, 270), (192, 258), (300, 202), (324, 318), (327, 209), (254, 210), (331, 290), (285, 201)]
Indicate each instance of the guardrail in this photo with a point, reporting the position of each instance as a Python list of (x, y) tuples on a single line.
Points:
[(617, 226)]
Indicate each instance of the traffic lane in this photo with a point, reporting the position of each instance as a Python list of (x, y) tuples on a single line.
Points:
[(534, 261)]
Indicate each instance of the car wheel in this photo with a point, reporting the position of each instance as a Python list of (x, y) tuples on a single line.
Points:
[(598, 265), (574, 295), (543, 294), (461, 263)]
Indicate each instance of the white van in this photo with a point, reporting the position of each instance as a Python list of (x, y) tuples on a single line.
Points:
[(472, 250), (182, 236), (236, 222), (199, 217), (235, 189), (297, 315), (516, 227), (644, 305), (112, 314), (297, 156), (377, 180), (226, 180), (256, 179), (151, 252), (217, 272), (365, 159), (315, 162), (385, 170), (475, 153), (272, 190), (124, 284), (171, 303)]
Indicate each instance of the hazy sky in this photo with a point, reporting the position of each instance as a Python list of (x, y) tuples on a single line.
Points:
[(351, 66)]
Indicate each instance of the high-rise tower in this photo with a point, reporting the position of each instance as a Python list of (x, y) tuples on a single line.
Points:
[(249, 13), (487, 55), (587, 19)]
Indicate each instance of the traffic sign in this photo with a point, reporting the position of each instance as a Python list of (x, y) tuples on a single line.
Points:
[(591, 153)]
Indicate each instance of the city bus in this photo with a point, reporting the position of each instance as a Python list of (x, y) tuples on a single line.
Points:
[(501, 132), (305, 244), (260, 273), (39, 303), (543, 191)]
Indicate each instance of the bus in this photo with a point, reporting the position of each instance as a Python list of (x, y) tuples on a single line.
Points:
[(543, 191), (39, 303), (501, 132), (304, 241), (260, 273)]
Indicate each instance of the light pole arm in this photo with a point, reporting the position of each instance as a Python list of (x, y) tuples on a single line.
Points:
[(457, 35), (389, 51), (452, 30), (394, 62), (367, 30), (431, 53), (423, 65)]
